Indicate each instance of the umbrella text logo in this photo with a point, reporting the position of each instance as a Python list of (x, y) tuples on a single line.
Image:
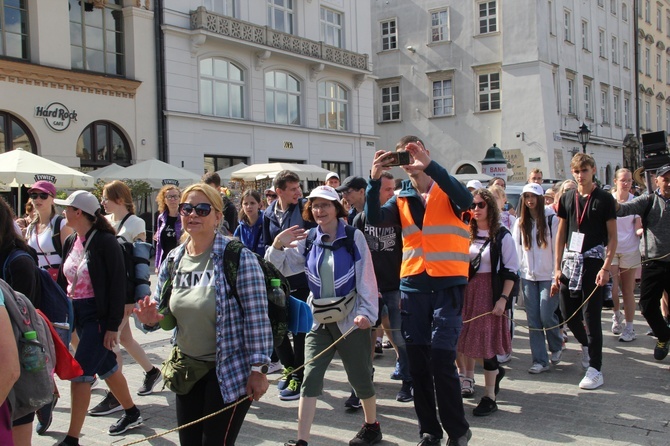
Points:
[(45, 177), (56, 116), (171, 182)]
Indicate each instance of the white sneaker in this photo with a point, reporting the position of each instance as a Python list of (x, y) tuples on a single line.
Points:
[(592, 380), (504, 359), (538, 368), (617, 324), (556, 357), (275, 367), (628, 335), (586, 359)]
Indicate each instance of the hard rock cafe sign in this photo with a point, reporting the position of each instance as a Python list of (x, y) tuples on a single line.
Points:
[(56, 116)]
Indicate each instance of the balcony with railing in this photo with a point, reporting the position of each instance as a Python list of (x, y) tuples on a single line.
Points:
[(233, 28)]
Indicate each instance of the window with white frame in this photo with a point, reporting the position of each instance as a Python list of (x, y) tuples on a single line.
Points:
[(639, 8), (221, 88), (439, 25), (571, 97), (604, 105), (389, 35), (390, 102), (647, 61), (280, 15), (624, 54), (282, 98), (567, 25), (550, 8), (615, 108), (639, 57), (488, 91), (443, 96), (667, 72), (333, 106), (647, 11), (331, 27), (613, 7), (615, 50), (223, 7), (602, 45), (96, 38), (624, 12), (626, 111), (647, 115), (14, 29), (659, 19), (585, 35), (659, 68), (667, 119), (588, 113), (659, 118), (601, 3), (488, 17)]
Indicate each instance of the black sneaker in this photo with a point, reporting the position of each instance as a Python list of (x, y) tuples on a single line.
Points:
[(45, 416), (379, 350), (125, 422), (661, 350), (429, 440), (108, 405), (353, 402), (460, 441), (485, 407), (367, 435), (499, 377), (406, 394), (151, 378)]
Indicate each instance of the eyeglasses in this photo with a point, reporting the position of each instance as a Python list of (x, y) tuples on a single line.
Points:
[(347, 192), (201, 209), (172, 197), (270, 195), (322, 206), (480, 205), (41, 195)]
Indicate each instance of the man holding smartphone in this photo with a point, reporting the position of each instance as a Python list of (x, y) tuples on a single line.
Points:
[(433, 275)]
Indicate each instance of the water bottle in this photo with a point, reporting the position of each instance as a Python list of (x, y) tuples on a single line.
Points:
[(32, 353), (277, 295)]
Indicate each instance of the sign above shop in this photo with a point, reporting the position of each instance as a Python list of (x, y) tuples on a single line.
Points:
[(56, 116)]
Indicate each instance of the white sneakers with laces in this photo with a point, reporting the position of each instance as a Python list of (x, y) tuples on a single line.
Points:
[(538, 368), (628, 335), (618, 323), (592, 379), (586, 359)]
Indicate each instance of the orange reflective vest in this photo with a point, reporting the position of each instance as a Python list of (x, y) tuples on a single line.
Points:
[(442, 247)]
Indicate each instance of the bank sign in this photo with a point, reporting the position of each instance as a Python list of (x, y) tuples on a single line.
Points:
[(56, 116)]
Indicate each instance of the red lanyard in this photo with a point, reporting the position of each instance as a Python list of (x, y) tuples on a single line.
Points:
[(586, 206)]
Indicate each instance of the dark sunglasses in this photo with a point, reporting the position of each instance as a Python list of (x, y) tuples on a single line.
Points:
[(41, 195), (480, 205), (201, 209), (270, 196)]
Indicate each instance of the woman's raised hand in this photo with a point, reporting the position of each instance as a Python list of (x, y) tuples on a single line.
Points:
[(147, 311)]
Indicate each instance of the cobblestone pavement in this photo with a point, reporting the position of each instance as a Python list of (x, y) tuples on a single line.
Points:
[(630, 409)]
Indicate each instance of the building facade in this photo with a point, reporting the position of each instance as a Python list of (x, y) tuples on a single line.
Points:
[(77, 80), (268, 80), (523, 75)]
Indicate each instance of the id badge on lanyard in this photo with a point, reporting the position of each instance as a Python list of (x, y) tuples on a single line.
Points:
[(577, 237)]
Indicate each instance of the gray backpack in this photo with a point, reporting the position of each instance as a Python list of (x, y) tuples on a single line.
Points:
[(34, 389)]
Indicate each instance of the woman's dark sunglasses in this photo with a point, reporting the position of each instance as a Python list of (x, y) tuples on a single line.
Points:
[(41, 195), (480, 205), (201, 209), (270, 196)]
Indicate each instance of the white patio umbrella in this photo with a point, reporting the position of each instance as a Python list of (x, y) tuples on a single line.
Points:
[(270, 170), (156, 173), (19, 167), (227, 173), (107, 170)]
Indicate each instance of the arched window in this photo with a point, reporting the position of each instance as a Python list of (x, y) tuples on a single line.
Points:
[(221, 88), (96, 37), (103, 143), (333, 106), (14, 133), (282, 98), (466, 168), (624, 12)]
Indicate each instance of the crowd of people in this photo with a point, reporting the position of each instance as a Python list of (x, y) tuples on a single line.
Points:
[(435, 265)]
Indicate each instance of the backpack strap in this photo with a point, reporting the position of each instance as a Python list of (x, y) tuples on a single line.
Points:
[(10, 258), (550, 221), (55, 237), (231, 261), (349, 242), (645, 222)]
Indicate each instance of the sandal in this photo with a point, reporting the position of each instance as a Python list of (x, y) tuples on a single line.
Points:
[(467, 387)]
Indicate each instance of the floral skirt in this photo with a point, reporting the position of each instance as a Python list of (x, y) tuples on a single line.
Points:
[(488, 335)]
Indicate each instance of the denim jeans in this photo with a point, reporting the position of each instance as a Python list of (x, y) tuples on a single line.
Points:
[(392, 301), (541, 313)]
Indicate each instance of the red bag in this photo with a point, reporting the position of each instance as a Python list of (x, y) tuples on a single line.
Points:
[(53, 272), (66, 366)]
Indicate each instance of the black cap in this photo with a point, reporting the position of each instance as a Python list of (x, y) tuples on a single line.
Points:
[(663, 170), (352, 183)]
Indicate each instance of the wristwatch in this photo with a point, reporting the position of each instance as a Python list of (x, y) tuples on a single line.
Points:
[(263, 368)]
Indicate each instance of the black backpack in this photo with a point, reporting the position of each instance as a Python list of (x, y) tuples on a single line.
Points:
[(348, 242), (130, 261), (279, 315)]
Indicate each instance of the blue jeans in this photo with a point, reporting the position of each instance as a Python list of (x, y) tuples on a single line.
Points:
[(392, 301), (541, 313)]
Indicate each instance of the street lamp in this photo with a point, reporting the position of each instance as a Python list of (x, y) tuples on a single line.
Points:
[(583, 135)]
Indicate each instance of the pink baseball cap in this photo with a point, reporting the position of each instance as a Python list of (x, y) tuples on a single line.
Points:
[(44, 186)]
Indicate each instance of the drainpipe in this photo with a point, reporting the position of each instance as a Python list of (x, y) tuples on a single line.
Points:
[(160, 80), (637, 155)]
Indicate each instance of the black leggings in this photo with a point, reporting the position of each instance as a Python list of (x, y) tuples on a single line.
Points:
[(203, 399)]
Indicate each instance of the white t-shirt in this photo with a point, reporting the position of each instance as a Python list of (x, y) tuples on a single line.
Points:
[(625, 226), (132, 227), (42, 243)]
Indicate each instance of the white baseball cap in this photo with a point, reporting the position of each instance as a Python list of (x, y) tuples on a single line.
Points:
[(332, 175), (475, 184), (81, 199), (533, 188), (326, 192)]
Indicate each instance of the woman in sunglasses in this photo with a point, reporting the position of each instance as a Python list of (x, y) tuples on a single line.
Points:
[(495, 263), (250, 229), (216, 335), (47, 231), (168, 229)]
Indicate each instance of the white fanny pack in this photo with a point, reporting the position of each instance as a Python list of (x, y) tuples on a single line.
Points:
[(333, 309)]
